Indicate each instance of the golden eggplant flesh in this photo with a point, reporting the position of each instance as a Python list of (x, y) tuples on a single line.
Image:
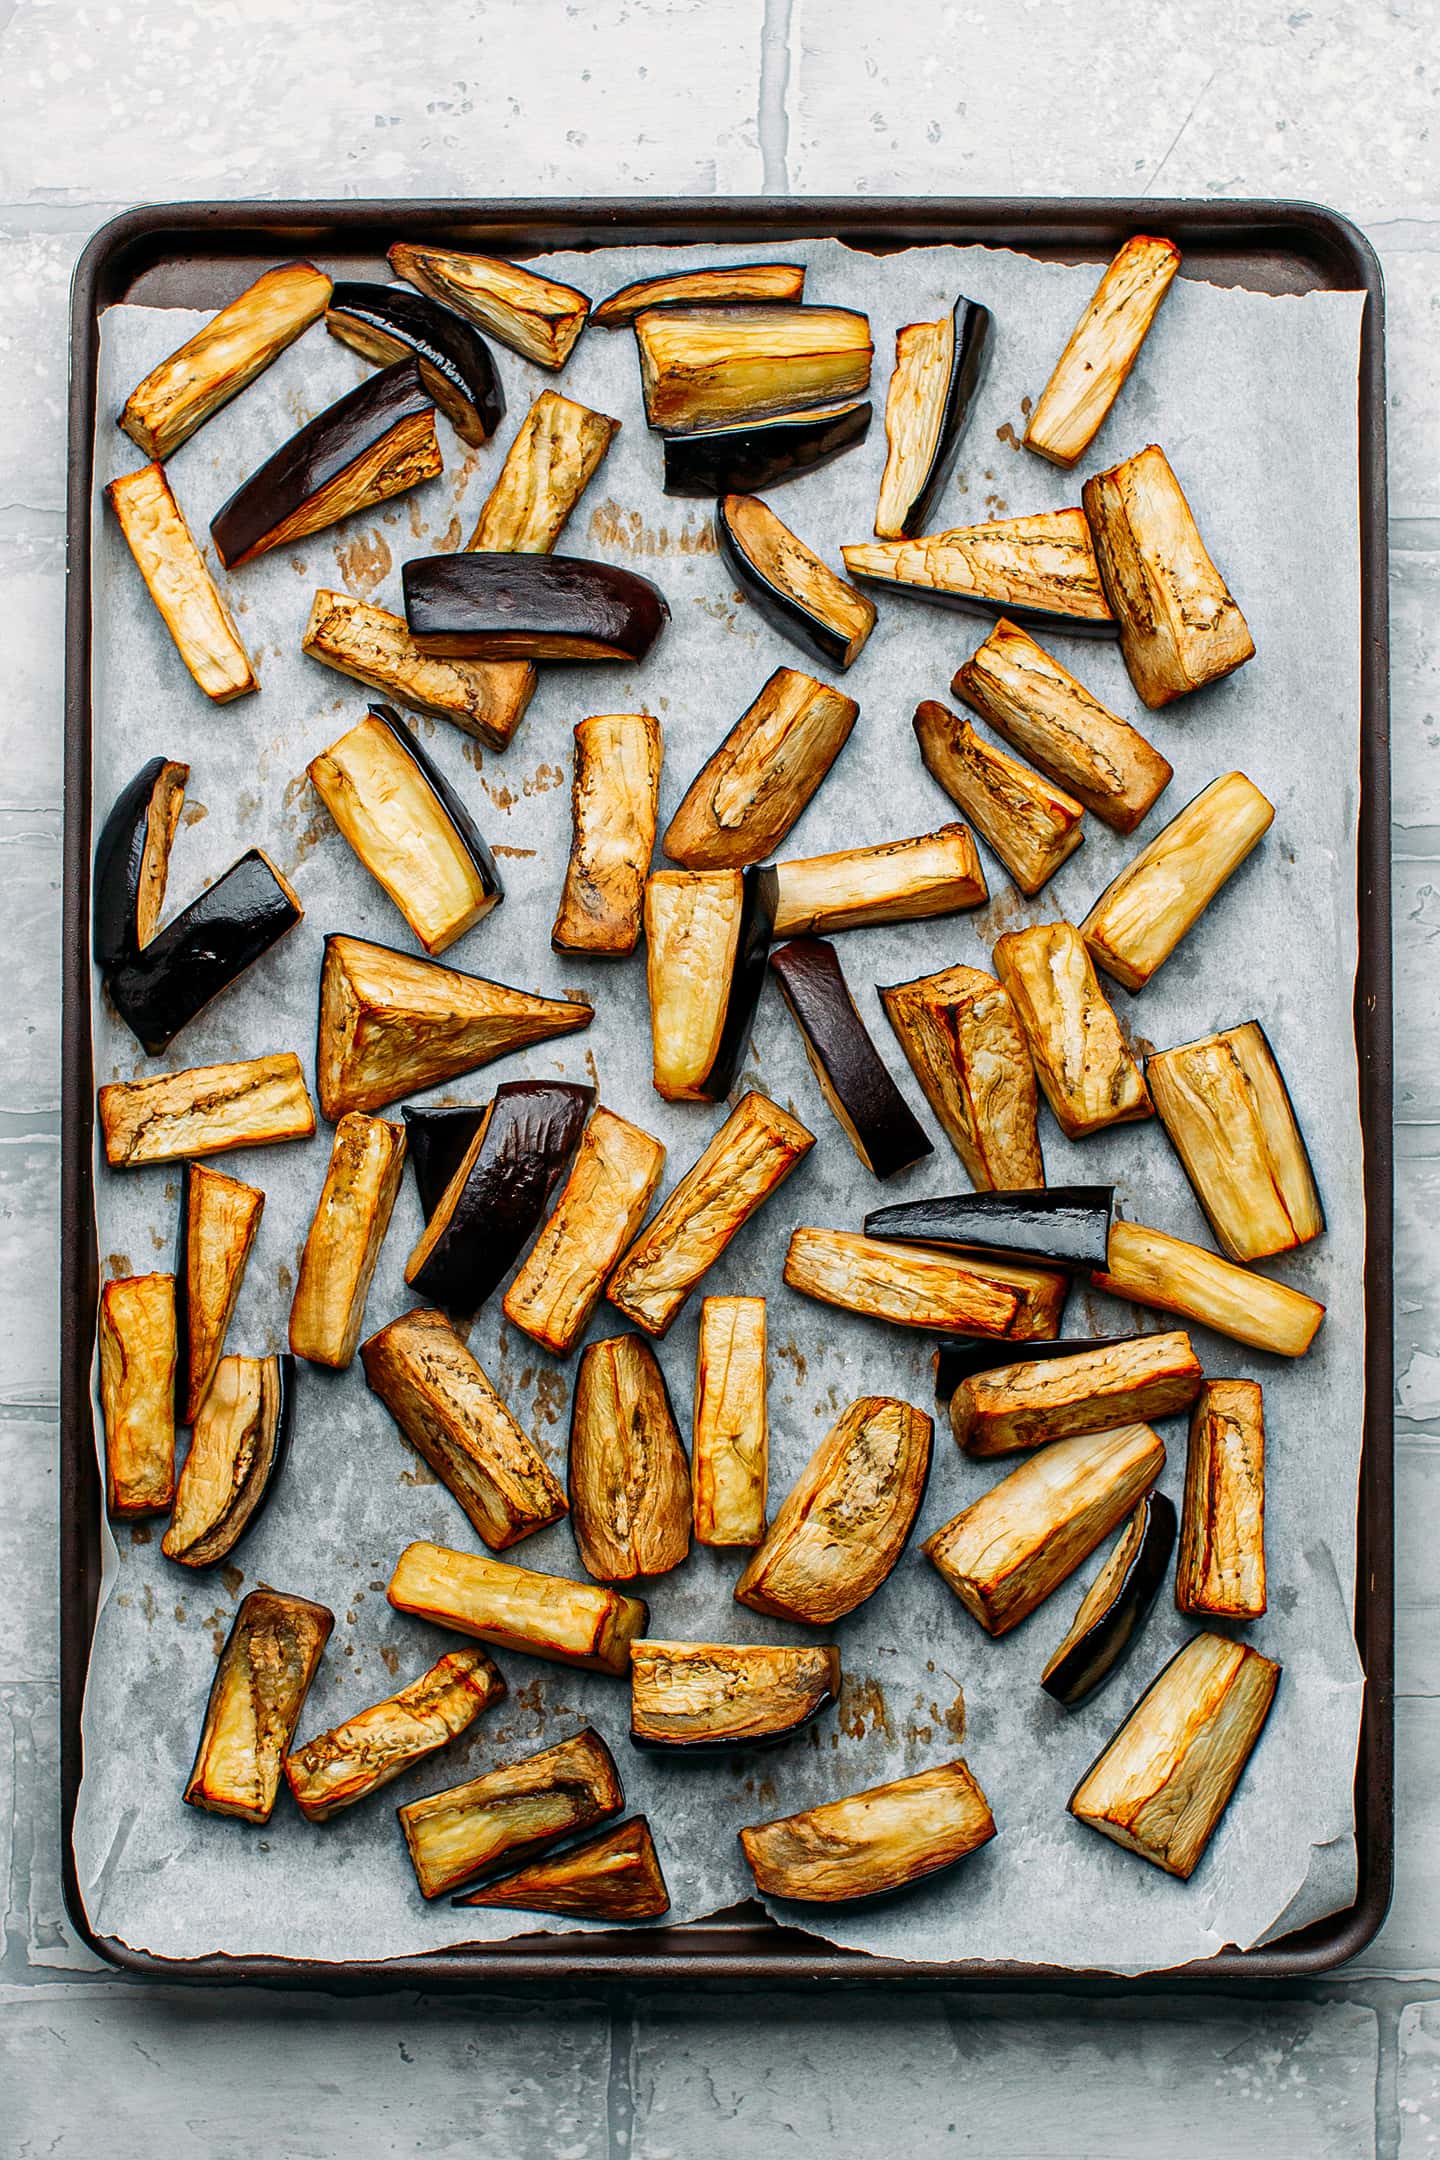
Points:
[(269, 1660), (614, 1875), (936, 873), (918, 1286), (205, 1111), (1027, 1405), (238, 1448), (214, 365), (726, 285), (727, 1696), (483, 698), (383, 1741), (746, 797), (535, 316), (939, 368), (1224, 1103), (1090, 1075), (137, 1393), (797, 593), (600, 1209), (965, 1046), (614, 803), (516, 1809), (553, 459), (1101, 350), (730, 1436), (1040, 571), (707, 934), (1220, 1569), (178, 580), (219, 1218), (873, 1842), (1031, 826), (342, 1248), (1142, 915), (629, 1479), (513, 1608), (1150, 1267), (709, 367)]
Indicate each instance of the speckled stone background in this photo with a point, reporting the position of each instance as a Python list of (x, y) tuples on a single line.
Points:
[(1336, 101)]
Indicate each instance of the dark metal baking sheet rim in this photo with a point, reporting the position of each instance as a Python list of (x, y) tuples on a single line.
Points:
[(1273, 246)]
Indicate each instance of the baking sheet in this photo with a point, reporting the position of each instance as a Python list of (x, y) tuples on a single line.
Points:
[(1220, 383)]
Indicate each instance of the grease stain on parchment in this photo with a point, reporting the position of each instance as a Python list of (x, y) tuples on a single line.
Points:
[(629, 532), (863, 1708), (364, 561)]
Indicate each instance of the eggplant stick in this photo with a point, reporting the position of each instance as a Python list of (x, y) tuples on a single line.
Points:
[(1089, 1073), (1027, 1405), (513, 1608), (865, 1102), (730, 1443), (599, 1211), (483, 698), (205, 1111), (1032, 827), (387, 323), (132, 862), (1055, 1226), (615, 796), (535, 316), (629, 1480), (213, 366), (691, 1695), (720, 287), (1224, 1103), (1142, 915), (179, 582), (263, 1675), (916, 1286), (1220, 1568), (743, 457), (513, 1809), (342, 1249), (380, 1743), (554, 457), (1038, 570), (1110, 1616), (203, 951), (939, 368), (1150, 1267), (1101, 350), (501, 606), (958, 1029), (872, 1842), (219, 1219), (936, 873), (705, 367), (797, 593), (237, 1451), (614, 1875), (746, 797), (137, 1394), (692, 942)]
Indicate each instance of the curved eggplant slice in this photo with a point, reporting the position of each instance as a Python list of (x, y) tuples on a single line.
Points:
[(381, 1742), (205, 949), (1113, 1610), (707, 933), (387, 323), (757, 454), (717, 287), (545, 1616), (1150, 1267), (871, 1843), (730, 1433), (269, 1660), (1039, 571), (509, 1811), (603, 1204), (870, 1110), (964, 1356), (533, 315), (939, 368), (177, 578), (704, 367), (553, 459), (1032, 826), (1025, 1405), (797, 593), (745, 798), (724, 1697), (959, 1032), (614, 801), (484, 698), (531, 607), (352, 1215), (237, 1452), (137, 1393), (436, 1142), (214, 365), (132, 862), (1101, 350), (629, 1479), (219, 1217), (205, 1110), (1065, 1225), (612, 1876), (896, 881)]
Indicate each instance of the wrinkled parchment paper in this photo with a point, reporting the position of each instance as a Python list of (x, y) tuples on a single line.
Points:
[(1254, 399)]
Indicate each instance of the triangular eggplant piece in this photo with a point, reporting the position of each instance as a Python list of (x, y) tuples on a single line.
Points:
[(1031, 570), (614, 1876), (219, 1217)]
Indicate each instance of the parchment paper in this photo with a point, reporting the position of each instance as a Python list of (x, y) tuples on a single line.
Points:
[(1254, 400)]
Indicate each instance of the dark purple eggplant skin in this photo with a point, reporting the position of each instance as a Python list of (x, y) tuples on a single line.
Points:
[(810, 974), (208, 946), (315, 456), (1105, 1645), (445, 345), (747, 980), (467, 831), (963, 1356), (748, 459), (284, 1428), (1058, 1225), (781, 612), (119, 859), (491, 606), (435, 1144), (534, 1129), (974, 336)]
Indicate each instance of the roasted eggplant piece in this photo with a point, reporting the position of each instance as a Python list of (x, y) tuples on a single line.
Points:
[(393, 1025), (899, 881), (408, 828), (533, 315), (914, 1286), (612, 1876), (963, 1356), (206, 948), (237, 1452), (600, 1209), (387, 323), (722, 1697), (449, 1411), (1041, 710), (1026, 1405), (1167, 1777), (1031, 826), (870, 1110), (545, 1616), (219, 1217), (797, 593), (1224, 1103), (483, 698), (730, 1439), (845, 1521), (614, 801), (753, 455), (137, 1394), (547, 468), (178, 580), (629, 1480), (214, 365), (871, 1842), (1039, 571), (1066, 1225), (1114, 1609), (381, 1742), (745, 1162), (966, 1048), (205, 1111), (531, 607), (713, 367), (1090, 1075), (745, 799), (132, 862), (720, 287), (1004, 1554), (939, 368), (1152, 1268), (1221, 1566), (1101, 350), (707, 933), (269, 1660), (436, 1144), (515, 1809), (1143, 913), (337, 1266), (375, 442)]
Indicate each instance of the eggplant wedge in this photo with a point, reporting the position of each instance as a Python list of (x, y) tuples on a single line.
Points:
[(509, 1811), (206, 948), (437, 1142), (1179, 624), (545, 1616), (1004, 1554), (531, 607), (375, 442), (1041, 710), (1224, 1103), (752, 455), (132, 862), (450, 1412), (1064, 1225), (744, 1164), (381, 1742), (1039, 571), (205, 1111), (269, 1660), (386, 323), (629, 1480), (1221, 1565), (612, 1876), (547, 468), (963, 1356), (137, 1394), (1032, 826), (483, 698), (1114, 1609), (939, 368), (1027, 1405), (1142, 915), (1164, 1781), (744, 800), (219, 1218), (352, 1215), (237, 1453), (178, 580), (614, 804), (533, 315), (915, 1286), (1090, 1075), (846, 1520), (714, 367), (966, 1048), (214, 365), (936, 873), (600, 1209), (1149, 1267), (1101, 350), (723, 286), (865, 1102), (707, 934), (723, 1697), (730, 1436), (873, 1842), (797, 593), (393, 1025), (408, 828)]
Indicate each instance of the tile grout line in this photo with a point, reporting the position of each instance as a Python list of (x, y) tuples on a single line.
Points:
[(772, 118), (620, 2083)]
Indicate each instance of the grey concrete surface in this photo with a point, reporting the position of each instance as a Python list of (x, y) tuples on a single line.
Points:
[(105, 105)]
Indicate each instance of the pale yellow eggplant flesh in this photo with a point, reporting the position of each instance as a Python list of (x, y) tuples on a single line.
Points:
[(459, 1833), (746, 797), (219, 1220), (1031, 826), (965, 1046), (871, 1843), (692, 941), (1154, 902), (730, 1441), (554, 457), (1040, 571), (1101, 350), (1220, 1566), (205, 1110), (615, 795), (342, 1248), (1150, 1267), (235, 346), (1090, 1075), (137, 1394), (630, 1497), (513, 1608), (1224, 1104), (535, 316), (599, 1211), (792, 586), (936, 873), (483, 698), (909, 1285), (613, 1876), (715, 366), (721, 287), (179, 582), (1025, 1405), (238, 1448), (727, 1696)]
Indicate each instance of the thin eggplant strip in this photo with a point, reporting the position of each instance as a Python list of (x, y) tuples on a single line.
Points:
[(958, 1029), (219, 1219), (1027, 1406), (203, 951), (437, 1142), (1089, 1073), (722, 1697), (483, 698), (720, 287), (871, 1843), (939, 368), (132, 862), (709, 367), (554, 457), (1032, 827), (1040, 571), (513, 1608), (599, 1211), (629, 1479), (614, 804), (1220, 1569), (707, 934), (205, 1111), (936, 873), (220, 360), (137, 1394), (1157, 899), (858, 1089), (1101, 350), (178, 580), (613, 1876), (1062, 1225), (380, 1743), (387, 323), (264, 1673), (914, 1286), (510, 1811), (746, 797), (342, 1248), (730, 1444), (798, 594), (747, 457), (1150, 1267)]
